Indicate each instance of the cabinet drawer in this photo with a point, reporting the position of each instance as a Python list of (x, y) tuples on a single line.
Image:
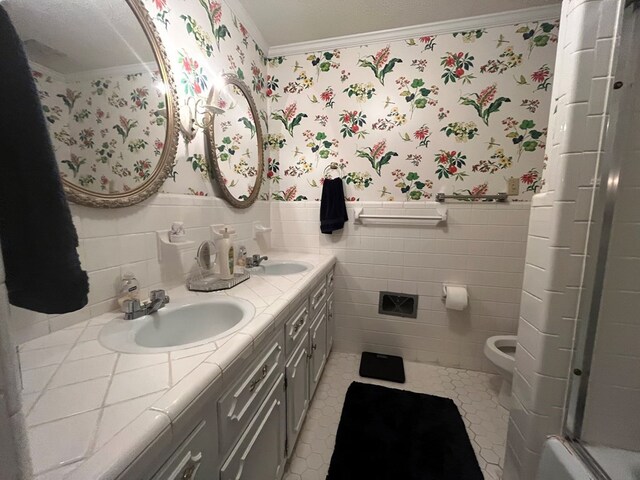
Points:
[(195, 459), (260, 452), (239, 404), (295, 328), (318, 298)]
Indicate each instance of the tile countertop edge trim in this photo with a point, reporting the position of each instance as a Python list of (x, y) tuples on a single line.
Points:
[(102, 465)]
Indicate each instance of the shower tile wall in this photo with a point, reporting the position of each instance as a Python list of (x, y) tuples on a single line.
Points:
[(611, 415), (481, 246), (558, 230)]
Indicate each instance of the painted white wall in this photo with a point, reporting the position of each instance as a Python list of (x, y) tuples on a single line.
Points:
[(482, 246), (558, 230)]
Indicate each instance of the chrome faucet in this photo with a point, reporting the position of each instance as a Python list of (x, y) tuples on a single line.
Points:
[(134, 309), (255, 260)]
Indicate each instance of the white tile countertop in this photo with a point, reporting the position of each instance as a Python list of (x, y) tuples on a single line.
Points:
[(91, 411)]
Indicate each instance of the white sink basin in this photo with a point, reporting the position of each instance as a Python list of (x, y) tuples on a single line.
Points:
[(176, 327), (280, 268)]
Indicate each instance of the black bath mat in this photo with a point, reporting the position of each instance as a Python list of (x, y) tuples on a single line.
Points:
[(383, 367), (389, 434)]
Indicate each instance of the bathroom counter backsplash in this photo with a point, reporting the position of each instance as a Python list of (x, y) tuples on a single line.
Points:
[(91, 411)]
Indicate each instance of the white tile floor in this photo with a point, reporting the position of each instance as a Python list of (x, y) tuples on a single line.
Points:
[(474, 393)]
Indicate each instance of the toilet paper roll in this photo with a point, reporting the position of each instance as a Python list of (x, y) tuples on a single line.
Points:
[(457, 297)]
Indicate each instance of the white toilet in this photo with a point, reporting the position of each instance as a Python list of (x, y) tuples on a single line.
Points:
[(501, 350)]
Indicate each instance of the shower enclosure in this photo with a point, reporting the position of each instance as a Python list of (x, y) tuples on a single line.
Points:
[(603, 405)]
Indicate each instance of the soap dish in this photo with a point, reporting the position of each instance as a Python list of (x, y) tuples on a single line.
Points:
[(211, 283)]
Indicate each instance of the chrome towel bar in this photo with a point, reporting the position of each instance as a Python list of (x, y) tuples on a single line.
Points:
[(499, 197), (410, 220)]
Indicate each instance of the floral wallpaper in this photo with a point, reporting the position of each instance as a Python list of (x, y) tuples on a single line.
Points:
[(236, 144), (204, 39), (458, 113), (108, 133)]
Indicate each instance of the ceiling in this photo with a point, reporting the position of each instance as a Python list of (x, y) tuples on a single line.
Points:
[(71, 36), (284, 22)]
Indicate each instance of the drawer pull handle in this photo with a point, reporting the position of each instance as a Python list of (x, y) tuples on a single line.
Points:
[(298, 324), (189, 472), (254, 383), (318, 297)]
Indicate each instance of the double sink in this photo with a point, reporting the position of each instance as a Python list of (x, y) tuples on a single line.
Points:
[(190, 324)]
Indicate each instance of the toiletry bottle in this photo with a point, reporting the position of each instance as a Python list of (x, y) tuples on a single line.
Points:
[(226, 255), (129, 288), (242, 260)]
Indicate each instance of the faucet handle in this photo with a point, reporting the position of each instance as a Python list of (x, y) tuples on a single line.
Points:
[(159, 295), (131, 306)]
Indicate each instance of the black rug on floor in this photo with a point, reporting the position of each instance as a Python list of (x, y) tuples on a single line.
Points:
[(389, 434)]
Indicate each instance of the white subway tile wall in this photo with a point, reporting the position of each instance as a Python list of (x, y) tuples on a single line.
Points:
[(481, 246), (611, 415), (558, 230), (119, 240)]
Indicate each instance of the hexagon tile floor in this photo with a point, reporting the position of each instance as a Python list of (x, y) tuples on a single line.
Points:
[(474, 393)]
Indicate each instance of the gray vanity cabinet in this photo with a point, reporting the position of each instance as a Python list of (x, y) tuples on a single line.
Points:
[(297, 371), (241, 402), (331, 323), (195, 459), (260, 452), (318, 347)]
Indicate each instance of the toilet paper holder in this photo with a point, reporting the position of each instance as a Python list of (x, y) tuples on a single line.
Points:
[(444, 289), (459, 298)]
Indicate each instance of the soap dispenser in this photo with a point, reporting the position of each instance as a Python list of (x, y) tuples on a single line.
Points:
[(129, 288), (226, 255)]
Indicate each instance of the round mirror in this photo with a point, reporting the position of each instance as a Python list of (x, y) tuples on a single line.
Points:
[(234, 143), (107, 95)]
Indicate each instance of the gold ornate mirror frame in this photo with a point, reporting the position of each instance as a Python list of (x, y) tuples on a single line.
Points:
[(83, 196), (231, 79)]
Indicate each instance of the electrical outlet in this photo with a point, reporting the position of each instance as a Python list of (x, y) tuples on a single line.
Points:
[(513, 186)]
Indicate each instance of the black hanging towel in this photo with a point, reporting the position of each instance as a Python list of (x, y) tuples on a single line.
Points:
[(37, 234), (333, 211)]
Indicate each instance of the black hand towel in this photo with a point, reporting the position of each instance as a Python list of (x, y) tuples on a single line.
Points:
[(333, 211), (37, 234)]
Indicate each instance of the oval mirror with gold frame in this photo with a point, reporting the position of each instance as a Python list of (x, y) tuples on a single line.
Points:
[(107, 93), (234, 143)]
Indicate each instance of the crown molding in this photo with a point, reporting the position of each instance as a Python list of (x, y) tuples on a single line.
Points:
[(549, 12), (243, 17)]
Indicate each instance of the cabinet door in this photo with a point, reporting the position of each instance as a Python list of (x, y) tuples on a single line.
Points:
[(297, 391), (259, 454), (331, 323), (318, 347), (295, 328)]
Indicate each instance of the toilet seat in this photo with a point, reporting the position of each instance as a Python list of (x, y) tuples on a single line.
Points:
[(498, 357)]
